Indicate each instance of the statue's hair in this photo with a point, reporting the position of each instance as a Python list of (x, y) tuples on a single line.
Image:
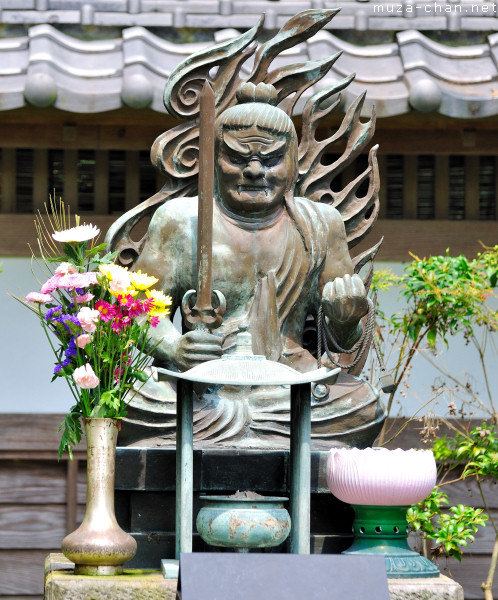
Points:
[(256, 106)]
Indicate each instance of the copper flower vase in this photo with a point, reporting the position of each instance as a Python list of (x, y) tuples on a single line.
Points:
[(99, 546)]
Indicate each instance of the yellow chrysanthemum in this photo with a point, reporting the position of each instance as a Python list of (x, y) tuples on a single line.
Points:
[(160, 309), (158, 312), (142, 281), (113, 271), (160, 300)]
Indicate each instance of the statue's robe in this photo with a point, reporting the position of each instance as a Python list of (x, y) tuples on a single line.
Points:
[(256, 417)]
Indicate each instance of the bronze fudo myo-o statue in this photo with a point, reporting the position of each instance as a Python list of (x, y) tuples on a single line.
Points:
[(280, 243)]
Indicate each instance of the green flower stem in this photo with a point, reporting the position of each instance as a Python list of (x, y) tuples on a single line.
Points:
[(85, 397)]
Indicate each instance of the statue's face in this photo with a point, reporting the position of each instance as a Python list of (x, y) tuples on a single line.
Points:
[(254, 169)]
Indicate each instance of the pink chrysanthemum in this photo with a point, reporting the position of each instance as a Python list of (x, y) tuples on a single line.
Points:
[(125, 299), (65, 268), (148, 304), (107, 311), (135, 308), (154, 321), (77, 280), (86, 279), (51, 285), (117, 325), (126, 320), (84, 298), (39, 298)]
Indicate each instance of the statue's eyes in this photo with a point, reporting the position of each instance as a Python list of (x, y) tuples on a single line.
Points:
[(272, 161), (268, 162), (236, 159)]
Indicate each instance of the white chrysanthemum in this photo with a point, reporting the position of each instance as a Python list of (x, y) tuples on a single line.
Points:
[(82, 233)]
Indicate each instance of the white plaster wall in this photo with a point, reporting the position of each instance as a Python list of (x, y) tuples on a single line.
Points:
[(26, 360), (460, 360)]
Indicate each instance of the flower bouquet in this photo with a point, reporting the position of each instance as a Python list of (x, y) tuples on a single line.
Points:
[(96, 316)]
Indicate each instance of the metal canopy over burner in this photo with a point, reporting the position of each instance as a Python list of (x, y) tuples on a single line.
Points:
[(250, 370)]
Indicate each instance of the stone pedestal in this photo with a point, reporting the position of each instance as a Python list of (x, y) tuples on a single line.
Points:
[(434, 588), (135, 584)]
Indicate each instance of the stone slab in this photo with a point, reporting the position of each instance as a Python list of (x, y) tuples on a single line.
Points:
[(135, 584), (62, 584), (432, 588)]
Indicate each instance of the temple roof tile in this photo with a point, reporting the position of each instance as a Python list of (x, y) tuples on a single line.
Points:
[(50, 67)]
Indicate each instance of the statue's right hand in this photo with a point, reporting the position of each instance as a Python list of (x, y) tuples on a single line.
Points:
[(196, 347)]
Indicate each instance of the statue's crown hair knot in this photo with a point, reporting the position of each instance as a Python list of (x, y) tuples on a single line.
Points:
[(263, 92)]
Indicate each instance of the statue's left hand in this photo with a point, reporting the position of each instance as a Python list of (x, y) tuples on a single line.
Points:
[(345, 300)]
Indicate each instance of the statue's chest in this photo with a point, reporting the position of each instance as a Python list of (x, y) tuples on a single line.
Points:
[(247, 256)]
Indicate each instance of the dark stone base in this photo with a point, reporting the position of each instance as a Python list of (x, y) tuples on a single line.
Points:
[(145, 496)]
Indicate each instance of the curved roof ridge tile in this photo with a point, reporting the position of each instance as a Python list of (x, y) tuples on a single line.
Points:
[(80, 60), (14, 44), (138, 32), (13, 56), (462, 52), (74, 75), (72, 43), (375, 64), (458, 65), (370, 50), (49, 67), (13, 68)]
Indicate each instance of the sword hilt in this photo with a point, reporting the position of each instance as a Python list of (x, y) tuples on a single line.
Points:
[(203, 316)]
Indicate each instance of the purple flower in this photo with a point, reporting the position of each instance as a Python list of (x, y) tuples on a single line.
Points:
[(64, 320), (72, 318), (53, 311), (65, 363), (71, 349)]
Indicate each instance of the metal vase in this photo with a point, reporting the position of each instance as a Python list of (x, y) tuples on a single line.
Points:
[(99, 546)]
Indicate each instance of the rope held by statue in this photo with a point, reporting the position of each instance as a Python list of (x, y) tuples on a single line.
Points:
[(367, 338)]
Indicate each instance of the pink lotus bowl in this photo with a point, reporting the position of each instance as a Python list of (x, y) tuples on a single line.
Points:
[(381, 477)]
